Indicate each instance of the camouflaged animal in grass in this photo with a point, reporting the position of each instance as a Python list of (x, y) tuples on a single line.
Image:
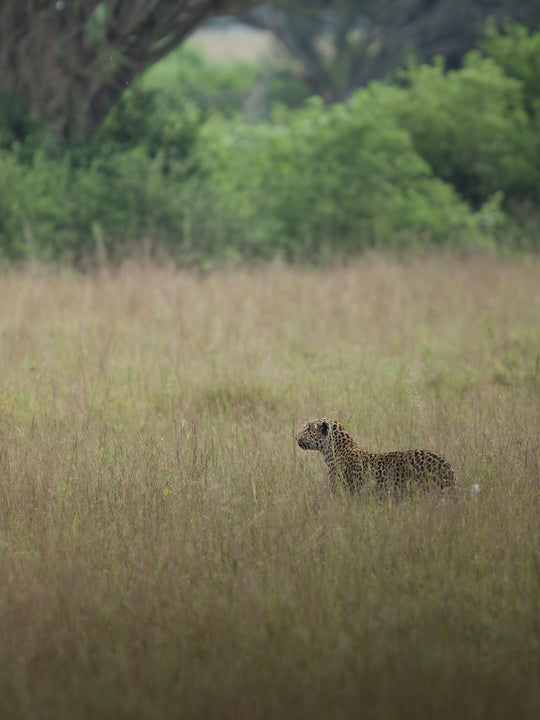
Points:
[(358, 469)]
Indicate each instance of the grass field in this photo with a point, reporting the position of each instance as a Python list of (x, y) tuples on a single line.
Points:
[(166, 551)]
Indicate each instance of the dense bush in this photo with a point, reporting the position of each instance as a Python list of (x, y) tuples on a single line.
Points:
[(121, 187), (517, 53), (325, 178), (470, 125), (52, 208), (151, 121), (426, 157)]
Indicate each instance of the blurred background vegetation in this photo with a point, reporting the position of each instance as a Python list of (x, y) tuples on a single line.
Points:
[(363, 124)]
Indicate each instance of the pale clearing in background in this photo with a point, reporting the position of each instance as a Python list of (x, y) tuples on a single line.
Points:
[(234, 42)]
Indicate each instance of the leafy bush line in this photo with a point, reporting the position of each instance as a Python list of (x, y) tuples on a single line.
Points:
[(424, 158)]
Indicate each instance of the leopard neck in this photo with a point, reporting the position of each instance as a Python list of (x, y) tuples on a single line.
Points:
[(340, 446)]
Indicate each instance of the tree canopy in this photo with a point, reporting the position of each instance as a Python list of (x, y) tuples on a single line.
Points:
[(69, 61), (339, 46)]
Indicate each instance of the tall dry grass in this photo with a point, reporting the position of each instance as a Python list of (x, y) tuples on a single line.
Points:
[(167, 551)]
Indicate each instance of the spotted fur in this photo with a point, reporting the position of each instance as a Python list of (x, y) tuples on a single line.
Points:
[(358, 469)]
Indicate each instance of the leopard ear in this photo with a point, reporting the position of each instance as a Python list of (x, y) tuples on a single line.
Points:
[(323, 426)]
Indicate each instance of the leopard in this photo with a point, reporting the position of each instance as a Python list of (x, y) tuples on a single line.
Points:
[(391, 473)]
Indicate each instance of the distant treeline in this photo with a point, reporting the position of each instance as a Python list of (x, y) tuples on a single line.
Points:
[(425, 157)]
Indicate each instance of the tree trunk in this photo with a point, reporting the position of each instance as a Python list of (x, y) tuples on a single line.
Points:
[(69, 61), (342, 45)]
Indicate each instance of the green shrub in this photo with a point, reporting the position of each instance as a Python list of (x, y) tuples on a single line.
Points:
[(52, 209), (517, 53), (470, 125), (150, 121), (342, 177)]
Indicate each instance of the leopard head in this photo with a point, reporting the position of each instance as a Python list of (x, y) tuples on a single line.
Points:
[(315, 435)]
